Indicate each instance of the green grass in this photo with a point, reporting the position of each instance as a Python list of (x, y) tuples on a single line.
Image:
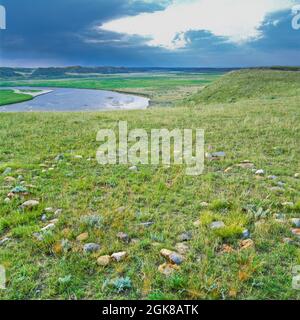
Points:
[(9, 97), (163, 89), (265, 131)]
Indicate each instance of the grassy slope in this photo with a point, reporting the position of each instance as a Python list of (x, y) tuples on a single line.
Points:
[(262, 130), (9, 97)]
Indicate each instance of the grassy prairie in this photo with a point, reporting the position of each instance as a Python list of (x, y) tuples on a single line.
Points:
[(164, 89), (9, 97), (262, 126)]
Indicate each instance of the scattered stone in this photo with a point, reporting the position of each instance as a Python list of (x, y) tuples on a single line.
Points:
[(287, 204), (272, 177), (123, 237), (227, 249), (58, 212), (119, 256), (104, 261), (296, 232), (20, 178), (49, 210), (197, 223), (280, 217), (296, 222), (59, 157), (7, 171), (147, 224), (38, 236), (260, 172), (48, 227), (297, 175), (168, 269), (217, 225), (78, 157), (246, 164), (204, 204), (133, 168), (281, 184), (182, 248), (83, 237), (246, 244), (173, 257), (44, 218), (4, 240), (246, 234), (91, 247), (186, 236), (30, 204), (277, 189), (6, 200), (216, 155)]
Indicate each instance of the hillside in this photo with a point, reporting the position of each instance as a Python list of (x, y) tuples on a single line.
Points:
[(251, 84)]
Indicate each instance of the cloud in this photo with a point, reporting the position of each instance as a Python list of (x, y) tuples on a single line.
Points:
[(237, 21)]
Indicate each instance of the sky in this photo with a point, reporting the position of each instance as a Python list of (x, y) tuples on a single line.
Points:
[(150, 33)]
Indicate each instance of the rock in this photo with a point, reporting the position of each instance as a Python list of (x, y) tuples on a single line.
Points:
[(7, 171), (172, 257), (59, 157), (44, 218), (297, 175), (296, 232), (48, 227), (58, 212), (147, 224), (186, 236), (6, 200), (204, 204), (227, 249), (215, 155), (133, 168), (91, 247), (246, 244), (272, 177), (20, 178), (30, 204), (281, 184), (197, 223), (246, 234), (182, 248), (277, 189), (83, 237), (217, 225), (119, 256), (78, 157), (296, 222), (280, 217), (260, 172), (123, 237), (104, 261), (168, 269), (49, 210), (4, 240), (287, 204), (38, 236), (246, 164)]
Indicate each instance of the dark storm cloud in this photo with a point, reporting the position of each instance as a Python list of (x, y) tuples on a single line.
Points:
[(66, 32)]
